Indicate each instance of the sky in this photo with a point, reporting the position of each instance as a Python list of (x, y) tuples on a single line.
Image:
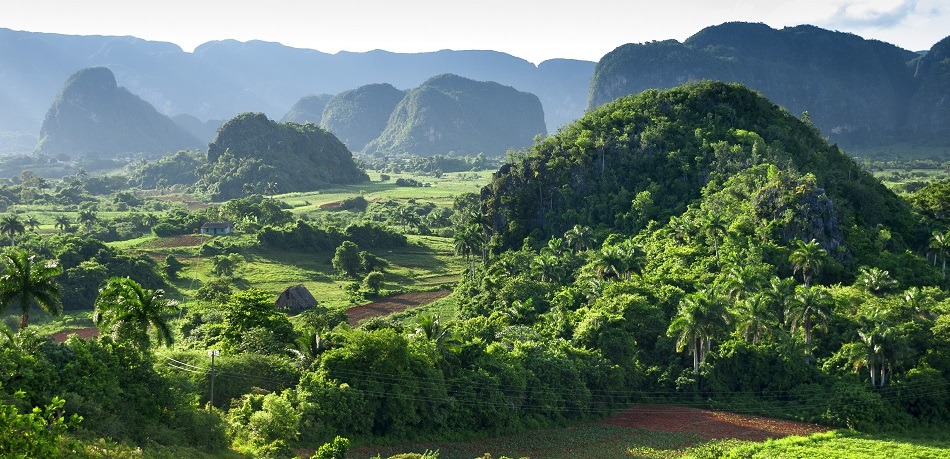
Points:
[(530, 29)]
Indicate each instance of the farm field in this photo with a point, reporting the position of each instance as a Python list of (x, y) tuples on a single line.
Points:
[(645, 431)]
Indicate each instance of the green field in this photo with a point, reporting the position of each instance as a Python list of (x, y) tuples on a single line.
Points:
[(846, 444)]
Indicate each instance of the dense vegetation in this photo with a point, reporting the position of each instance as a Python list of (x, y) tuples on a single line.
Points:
[(94, 116), (697, 246), (449, 113), (254, 154), (858, 92), (309, 109), (359, 115)]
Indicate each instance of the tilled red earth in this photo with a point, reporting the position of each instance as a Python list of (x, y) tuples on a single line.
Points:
[(84, 333), (710, 424), (395, 303)]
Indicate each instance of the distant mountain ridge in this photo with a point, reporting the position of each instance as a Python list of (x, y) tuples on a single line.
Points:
[(223, 78), (94, 116), (857, 91)]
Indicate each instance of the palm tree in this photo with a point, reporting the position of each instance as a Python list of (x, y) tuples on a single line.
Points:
[(755, 317), (126, 310), (875, 280), (807, 258), (11, 226), (87, 218), (781, 295), (579, 238), (468, 242), (26, 281), (715, 230), (740, 281), (810, 304), (32, 222), (940, 242), (701, 316), (687, 329), (63, 223)]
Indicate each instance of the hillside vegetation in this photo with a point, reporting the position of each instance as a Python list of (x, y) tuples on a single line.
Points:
[(94, 116), (859, 92), (449, 113), (254, 154)]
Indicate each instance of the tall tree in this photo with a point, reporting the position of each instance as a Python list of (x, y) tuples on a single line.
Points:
[(579, 238), (32, 222), (755, 318), (715, 230), (807, 258), (125, 310), (11, 226), (811, 304), (26, 281), (63, 223), (87, 218), (940, 243)]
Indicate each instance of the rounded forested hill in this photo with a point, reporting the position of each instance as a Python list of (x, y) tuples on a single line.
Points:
[(671, 144), (929, 113), (855, 90), (449, 113), (253, 154), (309, 109), (93, 115), (357, 116)]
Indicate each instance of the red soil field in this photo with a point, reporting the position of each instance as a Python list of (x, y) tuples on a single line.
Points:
[(84, 333), (395, 303), (709, 424)]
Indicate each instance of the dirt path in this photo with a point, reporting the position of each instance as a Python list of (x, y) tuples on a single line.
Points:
[(710, 424), (395, 303)]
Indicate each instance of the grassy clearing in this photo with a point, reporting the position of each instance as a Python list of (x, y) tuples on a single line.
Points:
[(845, 444), (442, 191), (426, 263)]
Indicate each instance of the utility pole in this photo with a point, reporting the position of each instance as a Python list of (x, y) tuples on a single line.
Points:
[(212, 353)]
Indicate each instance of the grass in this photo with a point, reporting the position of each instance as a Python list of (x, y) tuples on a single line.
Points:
[(425, 263), (847, 444), (441, 192)]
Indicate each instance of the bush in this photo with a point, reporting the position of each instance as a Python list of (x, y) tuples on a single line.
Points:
[(336, 449)]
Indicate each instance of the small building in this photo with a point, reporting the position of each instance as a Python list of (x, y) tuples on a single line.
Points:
[(296, 299), (217, 228)]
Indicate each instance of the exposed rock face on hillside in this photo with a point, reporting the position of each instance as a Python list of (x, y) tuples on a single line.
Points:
[(856, 91), (929, 112), (253, 154), (309, 109), (359, 115), (449, 113), (93, 115)]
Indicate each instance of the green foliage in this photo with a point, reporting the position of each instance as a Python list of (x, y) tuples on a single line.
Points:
[(346, 259), (336, 449), (175, 169), (34, 434), (251, 151), (27, 280), (266, 423), (125, 310), (252, 323), (839, 444)]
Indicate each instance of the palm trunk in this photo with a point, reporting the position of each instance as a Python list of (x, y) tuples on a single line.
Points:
[(873, 375), (695, 356), (807, 327), (24, 319)]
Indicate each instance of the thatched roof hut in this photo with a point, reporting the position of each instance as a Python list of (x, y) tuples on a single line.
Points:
[(296, 299)]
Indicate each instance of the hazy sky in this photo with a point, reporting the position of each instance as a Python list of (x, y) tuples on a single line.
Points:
[(534, 30)]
